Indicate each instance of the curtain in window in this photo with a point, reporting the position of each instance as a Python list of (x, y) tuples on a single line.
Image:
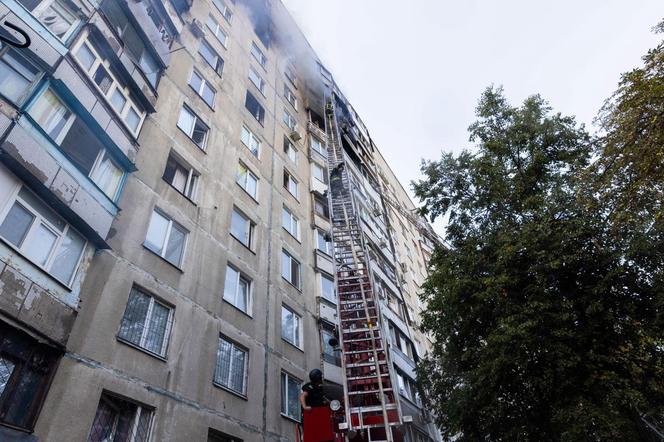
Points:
[(50, 113), (67, 256), (107, 176)]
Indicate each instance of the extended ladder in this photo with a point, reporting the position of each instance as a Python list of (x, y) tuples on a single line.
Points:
[(370, 399)]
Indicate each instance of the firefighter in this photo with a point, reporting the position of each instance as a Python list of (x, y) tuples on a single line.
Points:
[(312, 392)]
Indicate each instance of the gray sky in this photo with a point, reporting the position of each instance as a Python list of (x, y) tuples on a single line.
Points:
[(414, 70)]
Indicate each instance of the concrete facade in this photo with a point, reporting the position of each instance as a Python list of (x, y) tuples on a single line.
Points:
[(142, 279)]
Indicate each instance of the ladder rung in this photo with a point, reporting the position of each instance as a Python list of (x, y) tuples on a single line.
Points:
[(373, 408), (357, 393)]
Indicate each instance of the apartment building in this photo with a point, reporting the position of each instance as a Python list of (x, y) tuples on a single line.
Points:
[(167, 267)]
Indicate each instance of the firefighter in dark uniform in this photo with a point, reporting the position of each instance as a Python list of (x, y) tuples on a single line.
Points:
[(312, 392)]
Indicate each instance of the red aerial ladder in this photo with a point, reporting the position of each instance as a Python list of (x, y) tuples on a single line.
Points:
[(371, 406)]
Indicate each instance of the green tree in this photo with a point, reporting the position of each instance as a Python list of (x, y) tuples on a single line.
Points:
[(546, 327)]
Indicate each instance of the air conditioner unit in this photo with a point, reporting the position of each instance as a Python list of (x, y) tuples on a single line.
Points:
[(295, 136), (197, 28)]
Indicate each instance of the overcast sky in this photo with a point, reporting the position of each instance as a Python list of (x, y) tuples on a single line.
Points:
[(414, 70)]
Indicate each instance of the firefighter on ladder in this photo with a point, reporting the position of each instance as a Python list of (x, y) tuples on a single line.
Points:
[(312, 392)]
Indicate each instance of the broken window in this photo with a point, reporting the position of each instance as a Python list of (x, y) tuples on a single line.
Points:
[(57, 15), (203, 88), (120, 420), (290, 183), (217, 30), (291, 328), (130, 38), (17, 75), (247, 180), (146, 322), (191, 124), (26, 367), (241, 227), (79, 144), (211, 57), (182, 177), (116, 93), (254, 108), (42, 236), (166, 238), (237, 289), (231, 369), (290, 269), (290, 396), (250, 140)]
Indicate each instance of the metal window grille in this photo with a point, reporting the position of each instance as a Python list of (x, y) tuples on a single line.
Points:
[(230, 371), (119, 420), (146, 322)]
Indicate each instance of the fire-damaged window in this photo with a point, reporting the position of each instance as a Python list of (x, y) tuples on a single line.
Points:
[(78, 143), (120, 420), (254, 108), (61, 17), (26, 369), (132, 40)]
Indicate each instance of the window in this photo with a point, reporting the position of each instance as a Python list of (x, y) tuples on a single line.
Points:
[(56, 15), (218, 436), (290, 222), (290, 269), (191, 124), (247, 180), (221, 6), (290, 74), (146, 322), (290, 150), (400, 340), (394, 303), (254, 107), (17, 75), (182, 177), (323, 242), (42, 236), (290, 183), (289, 120), (211, 57), (290, 396), (258, 54), (320, 206), (231, 369), (407, 387), (116, 94), (329, 354), (26, 367), (250, 140), (319, 172), (217, 31), (290, 97), (120, 420), (166, 238), (291, 326), (327, 288), (257, 80), (241, 227), (202, 87), (318, 146), (78, 143), (237, 289), (130, 38)]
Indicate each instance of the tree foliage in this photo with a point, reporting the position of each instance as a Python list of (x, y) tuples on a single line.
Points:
[(546, 317)]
